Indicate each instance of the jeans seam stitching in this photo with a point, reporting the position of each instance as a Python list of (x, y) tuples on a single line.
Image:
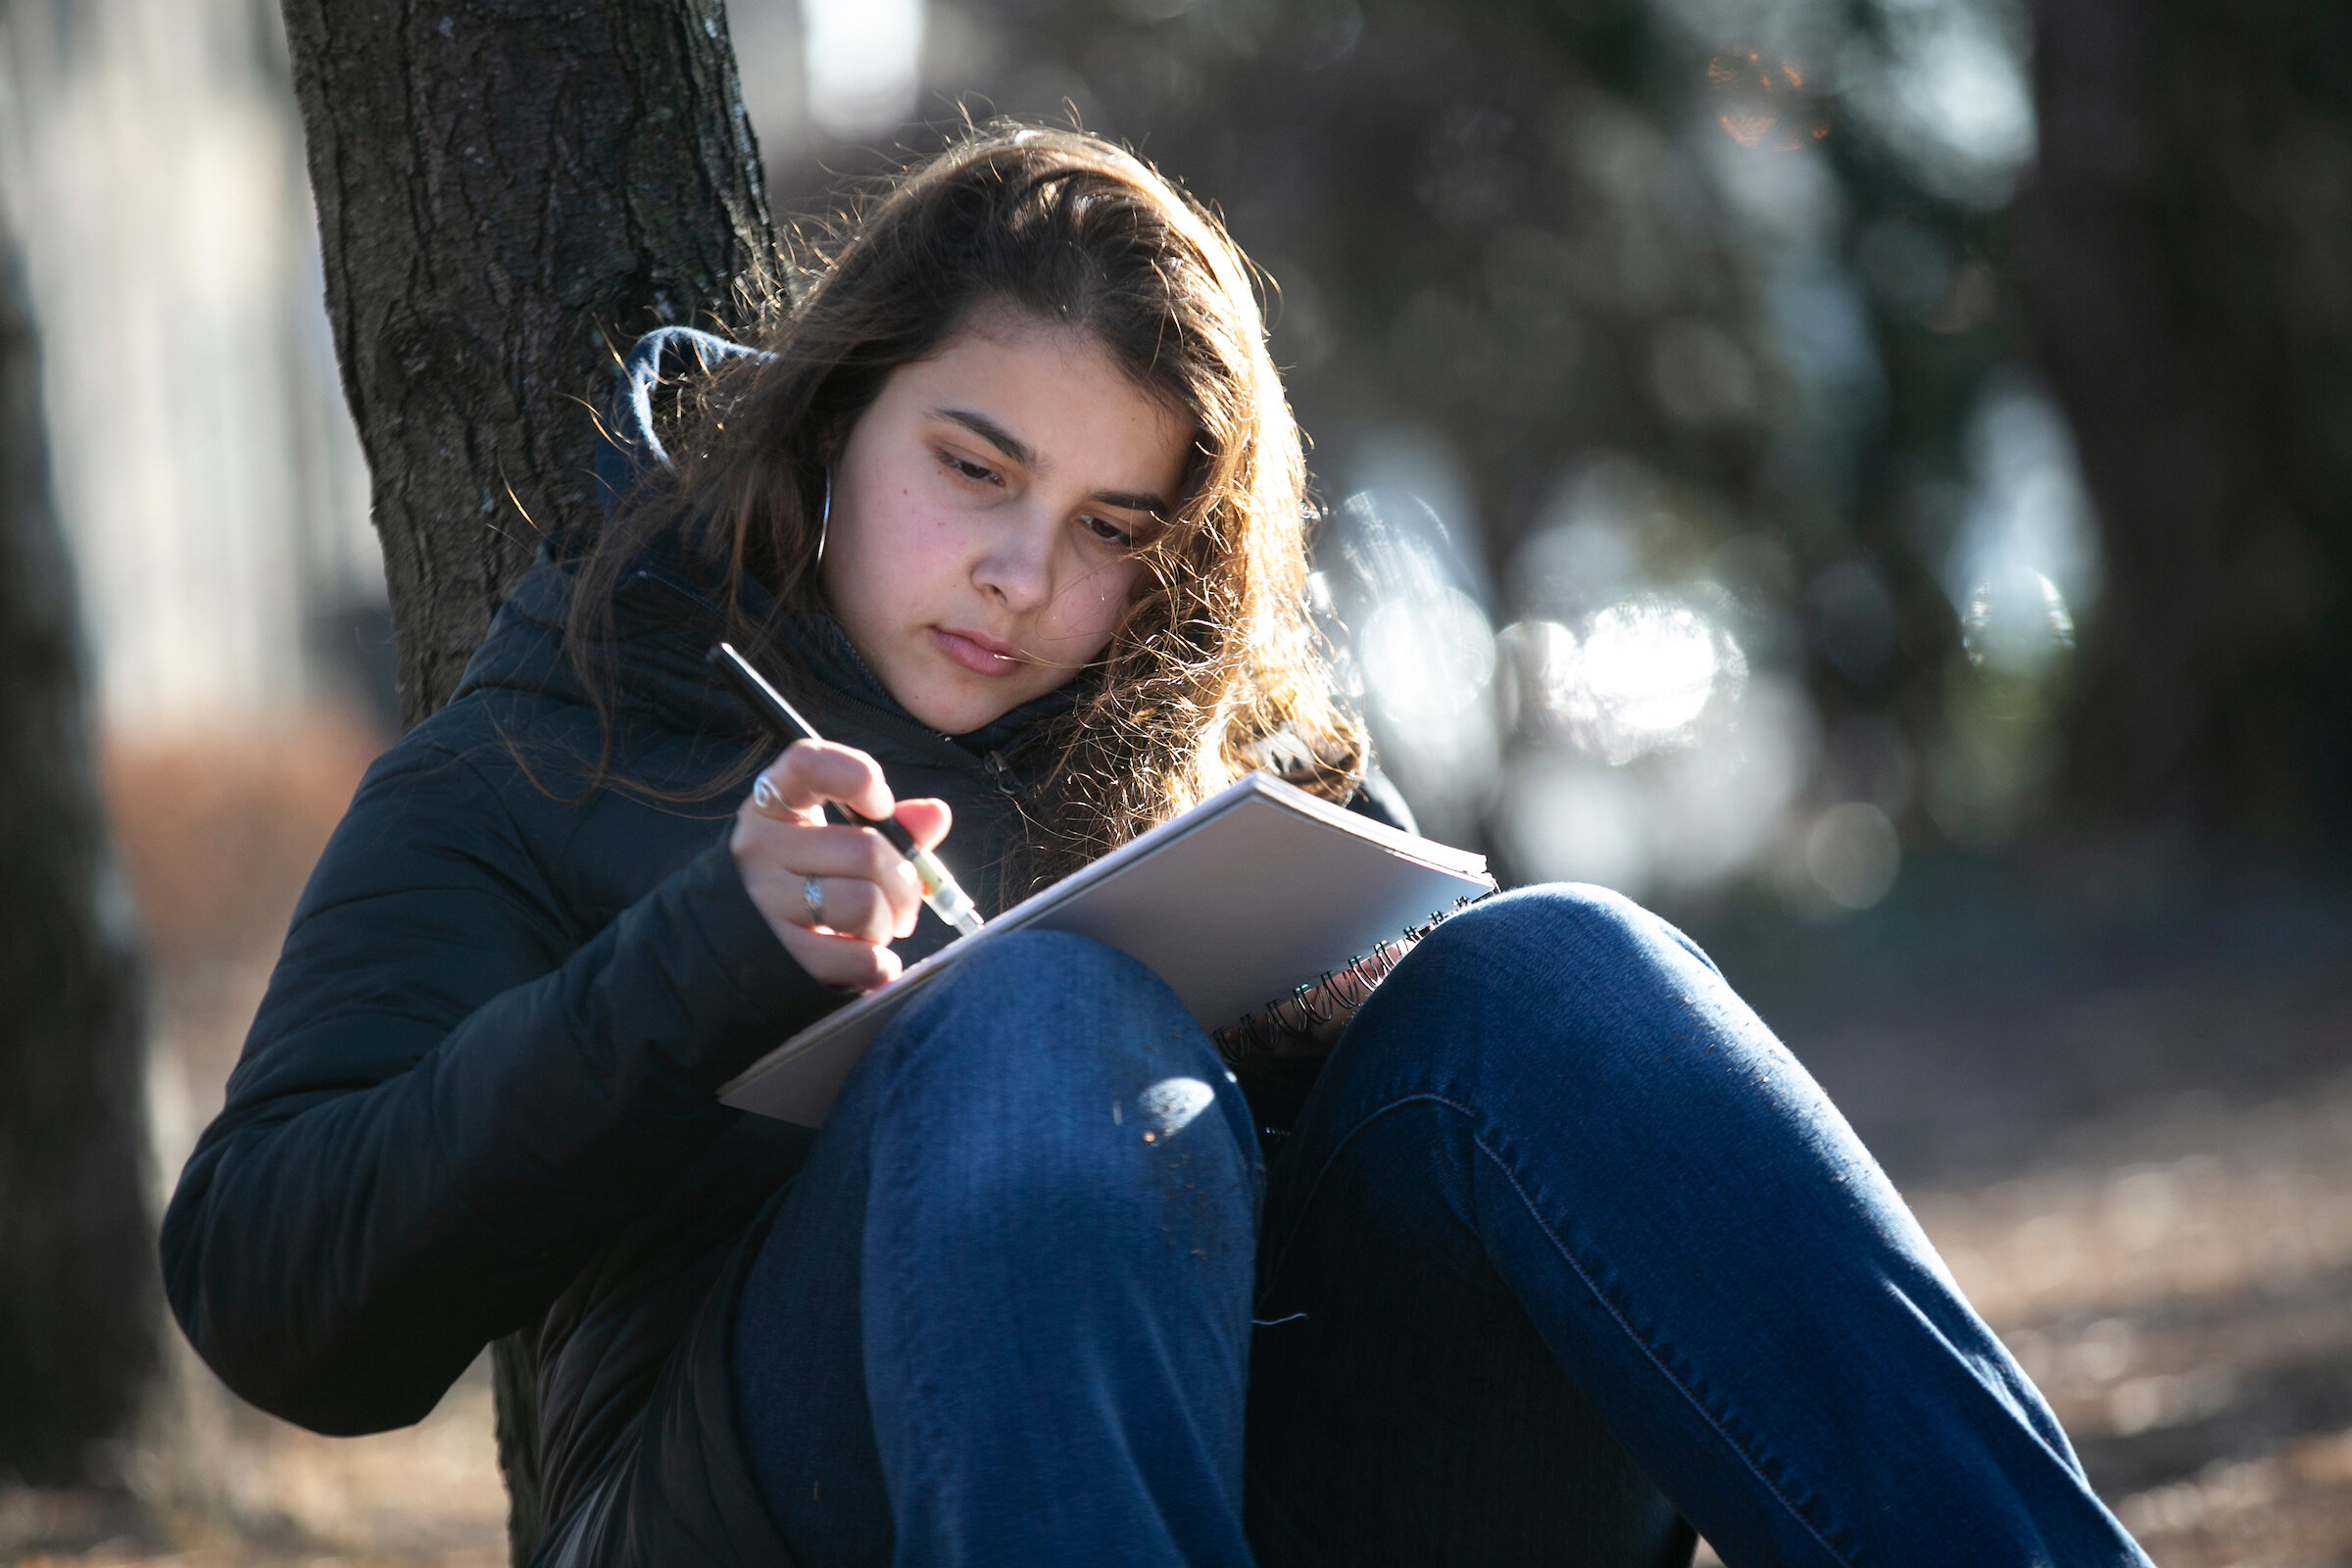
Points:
[(1627, 1328)]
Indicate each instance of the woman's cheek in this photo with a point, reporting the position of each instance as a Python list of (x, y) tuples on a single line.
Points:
[(1119, 595), (1096, 608)]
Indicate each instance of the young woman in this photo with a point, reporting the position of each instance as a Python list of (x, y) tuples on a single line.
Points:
[(1562, 1251)]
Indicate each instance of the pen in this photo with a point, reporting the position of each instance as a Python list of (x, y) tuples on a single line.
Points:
[(784, 722)]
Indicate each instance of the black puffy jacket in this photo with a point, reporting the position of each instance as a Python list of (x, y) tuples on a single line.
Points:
[(480, 1095)]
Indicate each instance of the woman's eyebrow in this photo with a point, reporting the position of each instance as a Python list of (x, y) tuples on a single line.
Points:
[(1022, 452), (1130, 501), (995, 434)]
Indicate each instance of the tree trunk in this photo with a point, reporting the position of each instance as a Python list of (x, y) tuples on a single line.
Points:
[(78, 1299), (508, 190), (2191, 281)]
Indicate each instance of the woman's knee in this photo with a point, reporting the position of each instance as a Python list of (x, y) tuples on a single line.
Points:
[(1061, 1035), (1566, 984), (1560, 933), (1038, 965), (1057, 996)]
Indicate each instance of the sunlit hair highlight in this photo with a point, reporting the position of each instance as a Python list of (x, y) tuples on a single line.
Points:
[(1215, 668)]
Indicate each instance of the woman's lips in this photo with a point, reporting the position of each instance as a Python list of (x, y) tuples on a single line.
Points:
[(982, 656)]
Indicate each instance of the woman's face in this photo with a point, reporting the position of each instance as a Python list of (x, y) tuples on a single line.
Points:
[(979, 551)]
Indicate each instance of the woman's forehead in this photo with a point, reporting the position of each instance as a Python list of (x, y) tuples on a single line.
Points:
[(1047, 396)]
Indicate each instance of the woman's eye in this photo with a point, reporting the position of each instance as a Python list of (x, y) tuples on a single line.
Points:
[(965, 468), (1109, 533)]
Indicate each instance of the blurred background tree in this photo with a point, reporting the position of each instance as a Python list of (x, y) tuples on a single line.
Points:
[(2191, 285), (80, 1326)]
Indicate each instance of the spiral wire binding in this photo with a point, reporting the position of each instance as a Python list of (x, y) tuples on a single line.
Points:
[(1334, 994)]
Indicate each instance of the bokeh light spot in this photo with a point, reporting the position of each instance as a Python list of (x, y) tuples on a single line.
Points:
[(1428, 658), (1853, 853), (1760, 101), (1636, 681), (2018, 622)]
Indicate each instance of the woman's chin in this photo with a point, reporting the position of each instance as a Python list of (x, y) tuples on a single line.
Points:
[(960, 713), (954, 701)]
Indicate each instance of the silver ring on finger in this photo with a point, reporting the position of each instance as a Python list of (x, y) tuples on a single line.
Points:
[(813, 898), (765, 796)]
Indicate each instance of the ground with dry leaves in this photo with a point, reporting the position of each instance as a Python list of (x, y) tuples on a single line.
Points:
[(2118, 1092)]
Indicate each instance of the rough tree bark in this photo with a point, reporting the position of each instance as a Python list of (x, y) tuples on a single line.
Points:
[(507, 189), (2192, 283), (79, 1303)]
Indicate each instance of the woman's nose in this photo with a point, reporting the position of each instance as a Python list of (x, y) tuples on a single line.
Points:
[(1017, 568)]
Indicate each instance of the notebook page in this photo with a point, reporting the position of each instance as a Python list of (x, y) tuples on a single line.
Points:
[(1259, 889)]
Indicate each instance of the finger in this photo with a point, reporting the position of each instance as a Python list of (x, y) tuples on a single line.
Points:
[(860, 909), (812, 773), (831, 848), (794, 850), (927, 820), (767, 803), (851, 906), (848, 906), (781, 897), (839, 960)]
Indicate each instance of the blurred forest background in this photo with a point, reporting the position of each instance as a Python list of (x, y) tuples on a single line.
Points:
[(1866, 476)]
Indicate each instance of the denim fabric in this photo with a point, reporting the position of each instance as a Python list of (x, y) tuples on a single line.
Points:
[(1565, 1244), (1024, 1243)]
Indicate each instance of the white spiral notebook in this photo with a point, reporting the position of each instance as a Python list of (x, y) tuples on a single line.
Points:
[(1259, 896)]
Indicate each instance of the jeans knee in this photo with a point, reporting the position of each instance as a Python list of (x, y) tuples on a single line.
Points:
[(1535, 929), (1059, 994), (1554, 982), (1053, 1081), (1024, 967), (1036, 1021)]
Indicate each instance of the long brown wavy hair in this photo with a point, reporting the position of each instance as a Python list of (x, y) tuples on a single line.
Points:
[(1215, 668)]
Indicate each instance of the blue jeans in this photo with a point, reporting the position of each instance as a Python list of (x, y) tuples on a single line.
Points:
[(1565, 1244)]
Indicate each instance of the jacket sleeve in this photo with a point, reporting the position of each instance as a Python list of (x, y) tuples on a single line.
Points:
[(451, 1095)]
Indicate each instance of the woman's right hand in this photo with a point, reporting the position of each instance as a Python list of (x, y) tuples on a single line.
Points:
[(865, 893)]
